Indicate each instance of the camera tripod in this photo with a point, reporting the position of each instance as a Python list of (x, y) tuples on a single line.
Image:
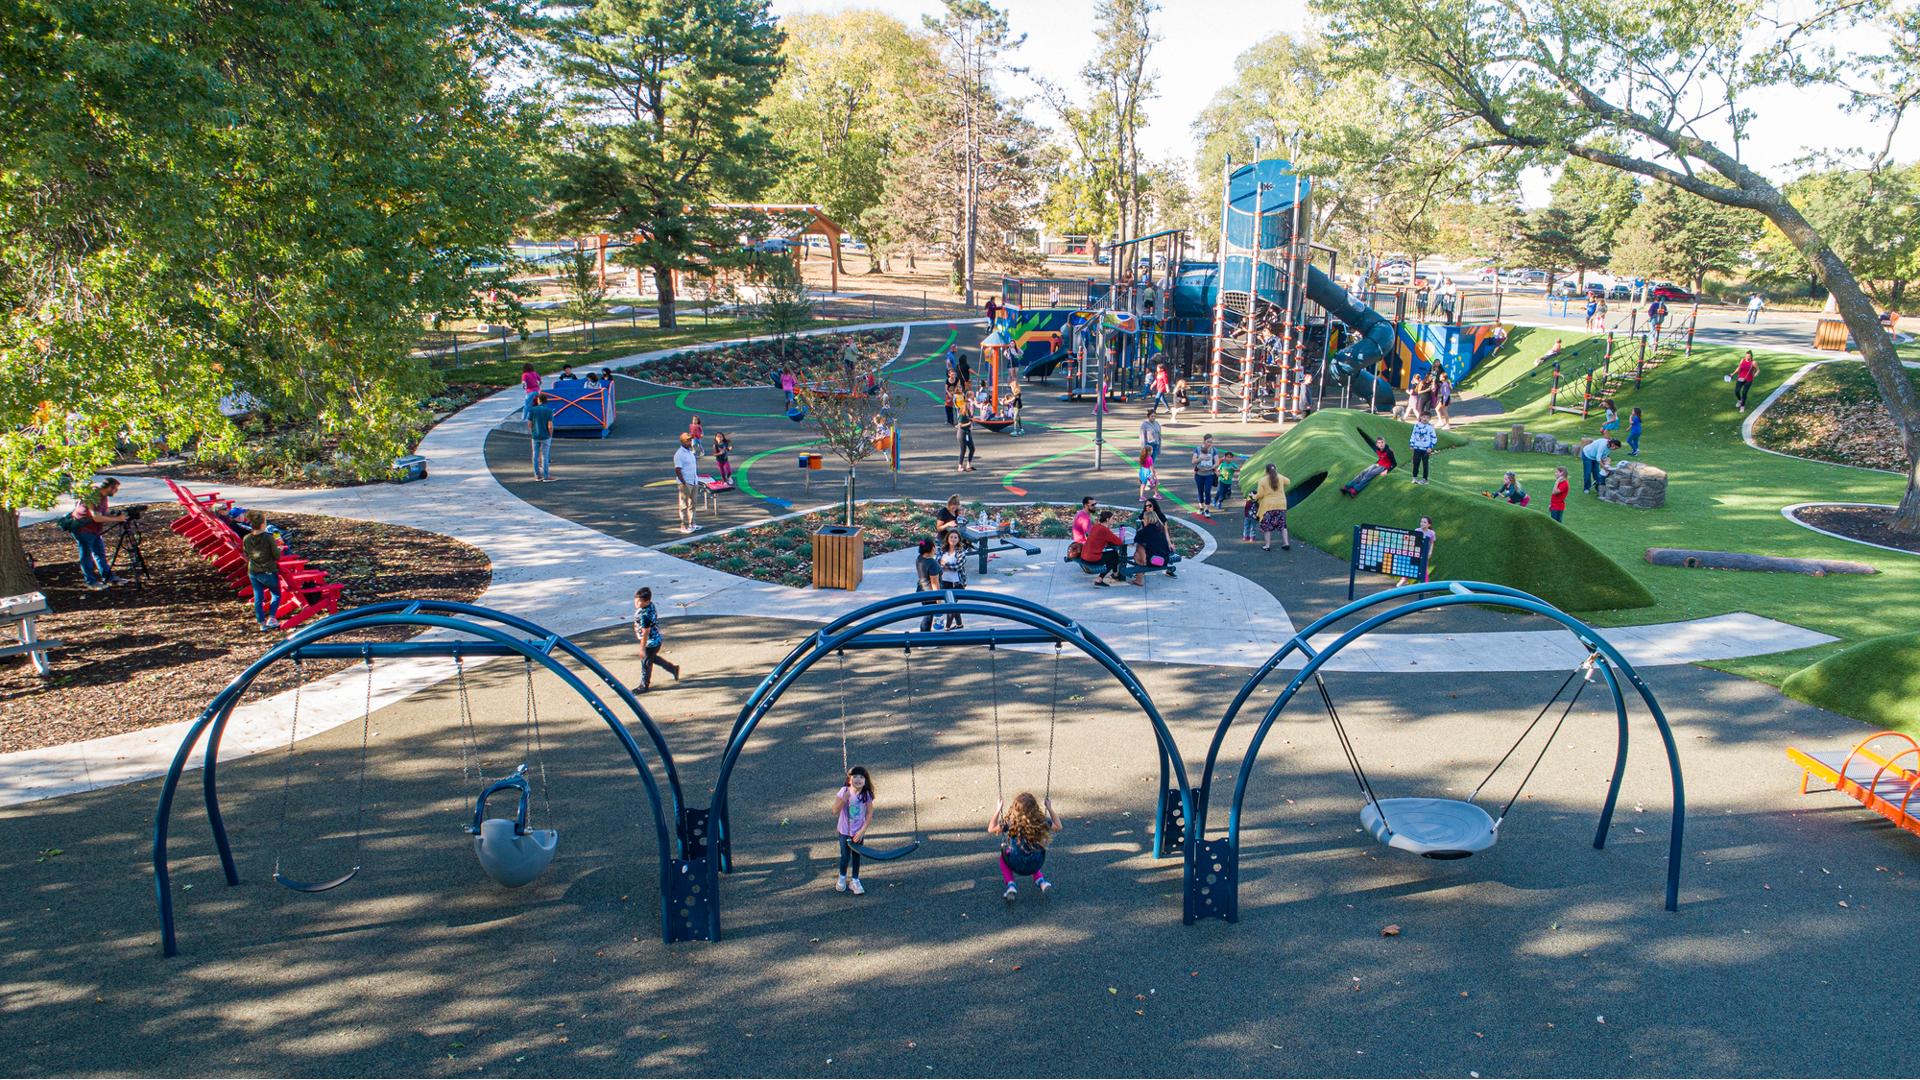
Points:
[(128, 541)]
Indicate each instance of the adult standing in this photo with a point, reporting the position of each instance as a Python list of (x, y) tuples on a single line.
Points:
[(1743, 376), (540, 432), (1593, 463), (993, 312), (1754, 304), (262, 551), (926, 576), (966, 437), (92, 513), (1150, 434), (1271, 497), (953, 571), (686, 473), (850, 361), (1206, 470)]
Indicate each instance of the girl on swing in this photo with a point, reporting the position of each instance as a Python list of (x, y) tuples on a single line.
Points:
[(854, 805), (1027, 829)]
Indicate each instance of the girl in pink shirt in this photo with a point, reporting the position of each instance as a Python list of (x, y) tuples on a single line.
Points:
[(854, 805), (530, 382)]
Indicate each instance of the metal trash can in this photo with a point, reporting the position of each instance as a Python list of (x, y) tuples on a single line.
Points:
[(839, 557)]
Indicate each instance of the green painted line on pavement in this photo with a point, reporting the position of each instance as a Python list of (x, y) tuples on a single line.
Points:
[(681, 402), (952, 336), (740, 475)]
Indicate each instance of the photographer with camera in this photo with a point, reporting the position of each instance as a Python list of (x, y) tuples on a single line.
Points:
[(92, 513)]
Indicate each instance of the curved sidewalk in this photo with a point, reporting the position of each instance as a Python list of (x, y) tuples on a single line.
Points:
[(573, 579)]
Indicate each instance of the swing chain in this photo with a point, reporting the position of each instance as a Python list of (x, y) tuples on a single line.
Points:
[(286, 775), (993, 678), (913, 759), (1586, 667), (1053, 718), (536, 744), (846, 762), (469, 739), (366, 724)]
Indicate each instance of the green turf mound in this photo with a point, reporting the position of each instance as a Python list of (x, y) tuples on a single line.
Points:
[(1479, 539), (1877, 681)]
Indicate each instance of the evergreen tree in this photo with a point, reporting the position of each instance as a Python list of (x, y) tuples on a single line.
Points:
[(1673, 234), (663, 97)]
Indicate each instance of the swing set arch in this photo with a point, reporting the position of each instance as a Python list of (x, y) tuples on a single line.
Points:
[(489, 633), (698, 917), (1221, 857)]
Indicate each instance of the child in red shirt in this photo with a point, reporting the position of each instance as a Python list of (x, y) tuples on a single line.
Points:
[(1557, 502)]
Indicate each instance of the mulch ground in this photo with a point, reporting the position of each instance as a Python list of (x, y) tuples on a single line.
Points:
[(782, 551), (1835, 414), (141, 657), (751, 364), (1864, 523)]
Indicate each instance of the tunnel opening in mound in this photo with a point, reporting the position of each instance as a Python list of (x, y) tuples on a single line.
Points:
[(1298, 492)]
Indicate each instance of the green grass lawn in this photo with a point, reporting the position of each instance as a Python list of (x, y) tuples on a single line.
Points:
[(1476, 538), (1723, 495)]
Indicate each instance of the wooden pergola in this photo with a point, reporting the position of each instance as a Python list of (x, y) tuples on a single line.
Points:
[(813, 221)]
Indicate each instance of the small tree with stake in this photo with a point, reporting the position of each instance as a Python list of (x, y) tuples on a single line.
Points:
[(780, 297), (849, 418), (586, 297)]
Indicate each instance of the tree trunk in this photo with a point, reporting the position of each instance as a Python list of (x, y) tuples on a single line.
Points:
[(663, 283), (16, 576), (1876, 349)]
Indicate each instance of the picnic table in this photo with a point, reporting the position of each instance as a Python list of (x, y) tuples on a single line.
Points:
[(989, 539), (23, 611)]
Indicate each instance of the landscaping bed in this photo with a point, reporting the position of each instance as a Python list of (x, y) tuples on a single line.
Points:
[(781, 552), (752, 363), (1834, 414), (136, 658), (1867, 524)]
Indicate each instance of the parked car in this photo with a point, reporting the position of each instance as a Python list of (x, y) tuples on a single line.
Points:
[(1566, 287), (1671, 293), (778, 245), (1595, 290), (1619, 291), (1397, 274)]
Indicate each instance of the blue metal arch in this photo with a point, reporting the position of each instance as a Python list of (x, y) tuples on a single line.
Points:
[(1223, 855), (699, 914), (1167, 829), (213, 720)]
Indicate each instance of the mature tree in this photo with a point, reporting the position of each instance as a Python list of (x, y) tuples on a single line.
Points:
[(1668, 95), (1082, 175), (1120, 84), (1597, 199), (974, 39), (197, 200), (839, 112), (663, 95), (1872, 218), (1673, 234), (1377, 178)]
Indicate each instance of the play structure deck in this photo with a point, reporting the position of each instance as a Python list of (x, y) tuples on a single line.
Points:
[(1870, 776)]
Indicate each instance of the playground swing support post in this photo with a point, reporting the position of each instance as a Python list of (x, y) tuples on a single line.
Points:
[(1220, 294)]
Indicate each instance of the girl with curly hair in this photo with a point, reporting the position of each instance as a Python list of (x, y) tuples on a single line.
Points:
[(1027, 829)]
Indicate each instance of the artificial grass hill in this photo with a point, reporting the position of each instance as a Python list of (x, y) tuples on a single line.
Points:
[(1477, 538), (1877, 681)]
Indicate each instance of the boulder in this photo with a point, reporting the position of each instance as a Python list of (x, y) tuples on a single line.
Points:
[(1635, 484)]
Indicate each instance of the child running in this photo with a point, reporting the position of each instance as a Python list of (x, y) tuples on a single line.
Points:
[(854, 805), (723, 446), (1027, 830), (646, 627)]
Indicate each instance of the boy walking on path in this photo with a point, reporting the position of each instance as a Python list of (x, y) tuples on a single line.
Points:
[(540, 430)]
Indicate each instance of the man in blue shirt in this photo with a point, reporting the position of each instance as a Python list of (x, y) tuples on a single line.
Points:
[(1593, 463), (540, 428)]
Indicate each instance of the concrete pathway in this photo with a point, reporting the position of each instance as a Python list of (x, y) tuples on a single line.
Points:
[(573, 579)]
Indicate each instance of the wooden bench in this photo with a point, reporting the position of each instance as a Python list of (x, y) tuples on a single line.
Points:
[(23, 611)]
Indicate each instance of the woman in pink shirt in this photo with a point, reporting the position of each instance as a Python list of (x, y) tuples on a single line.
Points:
[(1743, 379)]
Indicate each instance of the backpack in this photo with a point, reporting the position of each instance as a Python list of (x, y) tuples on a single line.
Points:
[(67, 523)]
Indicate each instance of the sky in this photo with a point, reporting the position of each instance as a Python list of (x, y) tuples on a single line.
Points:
[(1199, 40)]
